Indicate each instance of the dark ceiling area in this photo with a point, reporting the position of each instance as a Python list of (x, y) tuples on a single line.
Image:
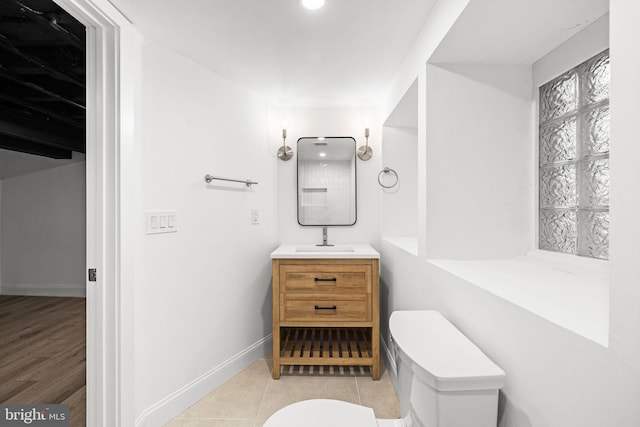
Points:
[(42, 79)]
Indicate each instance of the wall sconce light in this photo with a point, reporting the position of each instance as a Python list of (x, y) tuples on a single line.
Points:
[(365, 152), (284, 153)]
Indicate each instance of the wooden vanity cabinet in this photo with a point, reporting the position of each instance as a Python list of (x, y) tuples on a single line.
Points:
[(326, 312)]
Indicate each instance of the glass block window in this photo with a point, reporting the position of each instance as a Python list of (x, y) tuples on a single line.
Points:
[(574, 161)]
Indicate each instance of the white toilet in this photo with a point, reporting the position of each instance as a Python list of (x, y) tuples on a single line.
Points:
[(443, 380)]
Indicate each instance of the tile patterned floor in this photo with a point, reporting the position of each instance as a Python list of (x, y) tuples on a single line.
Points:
[(252, 396)]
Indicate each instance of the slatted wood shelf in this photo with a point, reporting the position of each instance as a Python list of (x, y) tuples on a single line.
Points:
[(326, 346)]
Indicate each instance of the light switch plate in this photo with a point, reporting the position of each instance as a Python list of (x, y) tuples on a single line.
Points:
[(161, 222)]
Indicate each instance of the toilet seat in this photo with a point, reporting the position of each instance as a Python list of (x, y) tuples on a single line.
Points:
[(323, 413)]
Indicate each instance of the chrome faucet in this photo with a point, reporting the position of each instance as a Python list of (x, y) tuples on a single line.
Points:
[(324, 237)]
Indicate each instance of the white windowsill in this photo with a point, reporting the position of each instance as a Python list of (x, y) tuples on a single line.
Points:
[(573, 294)]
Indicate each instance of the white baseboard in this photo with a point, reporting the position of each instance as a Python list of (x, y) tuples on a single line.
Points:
[(173, 405), (45, 290)]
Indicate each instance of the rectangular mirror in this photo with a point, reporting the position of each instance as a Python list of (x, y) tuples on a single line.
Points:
[(326, 181)]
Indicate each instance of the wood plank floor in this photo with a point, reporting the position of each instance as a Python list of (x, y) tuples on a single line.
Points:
[(42, 352)]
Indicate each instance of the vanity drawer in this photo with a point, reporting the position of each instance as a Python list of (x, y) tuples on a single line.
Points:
[(325, 278), (325, 308)]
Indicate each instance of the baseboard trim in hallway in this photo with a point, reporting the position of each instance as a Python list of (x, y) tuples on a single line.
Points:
[(175, 403), (49, 290)]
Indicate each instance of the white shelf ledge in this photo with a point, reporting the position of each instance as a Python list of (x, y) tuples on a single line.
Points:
[(408, 244), (577, 300)]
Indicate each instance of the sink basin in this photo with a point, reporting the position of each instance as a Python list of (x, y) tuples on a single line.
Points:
[(313, 251)]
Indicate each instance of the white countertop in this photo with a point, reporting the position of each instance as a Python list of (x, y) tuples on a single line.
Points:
[(292, 250)]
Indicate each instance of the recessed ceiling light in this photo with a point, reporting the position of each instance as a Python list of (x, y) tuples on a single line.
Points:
[(312, 4)]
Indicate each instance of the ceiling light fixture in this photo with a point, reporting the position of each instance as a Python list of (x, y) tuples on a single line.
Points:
[(312, 4)]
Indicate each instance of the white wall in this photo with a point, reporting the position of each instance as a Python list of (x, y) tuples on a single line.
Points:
[(398, 205), (555, 378), (14, 163), (203, 294), (587, 43), (413, 72), (439, 22), (327, 121), (625, 198), (479, 161), (43, 232)]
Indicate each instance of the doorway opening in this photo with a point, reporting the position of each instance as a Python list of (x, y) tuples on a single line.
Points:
[(108, 373), (43, 206)]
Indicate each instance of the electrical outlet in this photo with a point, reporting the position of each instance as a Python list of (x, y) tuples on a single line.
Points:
[(255, 216)]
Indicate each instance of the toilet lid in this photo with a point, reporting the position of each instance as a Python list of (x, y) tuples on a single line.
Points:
[(440, 354), (322, 413)]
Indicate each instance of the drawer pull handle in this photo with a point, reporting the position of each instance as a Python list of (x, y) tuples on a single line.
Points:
[(333, 307), (325, 279)]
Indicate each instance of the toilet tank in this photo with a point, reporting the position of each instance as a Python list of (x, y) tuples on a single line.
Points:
[(444, 380)]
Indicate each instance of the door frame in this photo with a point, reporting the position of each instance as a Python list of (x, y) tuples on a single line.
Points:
[(108, 372)]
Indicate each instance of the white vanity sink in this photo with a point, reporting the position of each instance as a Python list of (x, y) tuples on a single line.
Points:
[(313, 251), (303, 249)]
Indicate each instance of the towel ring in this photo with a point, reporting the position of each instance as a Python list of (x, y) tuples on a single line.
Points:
[(387, 171)]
